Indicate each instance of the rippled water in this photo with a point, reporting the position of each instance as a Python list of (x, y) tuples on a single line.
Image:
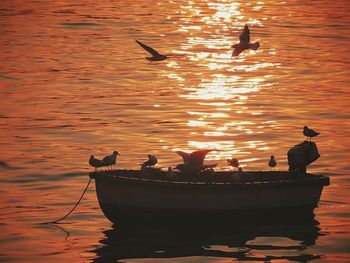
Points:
[(74, 83)]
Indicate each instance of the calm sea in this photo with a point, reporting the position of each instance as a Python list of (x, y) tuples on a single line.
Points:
[(74, 82)]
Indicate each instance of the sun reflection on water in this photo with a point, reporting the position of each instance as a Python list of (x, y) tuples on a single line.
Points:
[(225, 90), (224, 12), (75, 83)]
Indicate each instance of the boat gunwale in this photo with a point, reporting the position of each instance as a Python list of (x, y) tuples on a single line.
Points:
[(308, 179)]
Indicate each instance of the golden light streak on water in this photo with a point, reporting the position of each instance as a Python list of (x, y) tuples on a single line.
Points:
[(74, 83)]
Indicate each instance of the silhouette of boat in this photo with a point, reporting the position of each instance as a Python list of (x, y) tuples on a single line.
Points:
[(127, 196)]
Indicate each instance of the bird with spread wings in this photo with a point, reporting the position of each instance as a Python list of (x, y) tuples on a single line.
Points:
[(156, 56), (193, 163), (244, 42)]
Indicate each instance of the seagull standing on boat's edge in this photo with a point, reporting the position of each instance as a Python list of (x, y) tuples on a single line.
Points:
[(244, 43), (155, 55), (193, 162), (109, 160), (95, 162), (309, 132), (272, 162), (152, 161)]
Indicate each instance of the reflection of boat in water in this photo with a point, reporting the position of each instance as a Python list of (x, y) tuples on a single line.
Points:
[(253, 239), (131, 195)]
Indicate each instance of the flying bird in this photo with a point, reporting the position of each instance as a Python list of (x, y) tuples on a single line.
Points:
[(95, 162), (272, 162), (152, 161), (244, 43), (155, 55), (193, 162), (309, 132), (109, 160)]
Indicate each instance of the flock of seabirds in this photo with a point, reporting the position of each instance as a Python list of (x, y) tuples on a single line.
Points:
[(193, 163), (244, 43)]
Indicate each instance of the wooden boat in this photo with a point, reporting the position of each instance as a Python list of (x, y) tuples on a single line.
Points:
[(132, 195)]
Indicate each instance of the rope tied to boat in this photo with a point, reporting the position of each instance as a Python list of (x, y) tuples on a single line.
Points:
[(77, 203)]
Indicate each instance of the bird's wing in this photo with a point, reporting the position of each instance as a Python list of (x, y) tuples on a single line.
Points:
[(148, 49), (153, 159), (147, 163), (245, 35), (185, 156), (107, 159), (198, 157)]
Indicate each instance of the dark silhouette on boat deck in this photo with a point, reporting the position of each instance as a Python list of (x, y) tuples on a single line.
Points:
[(155, 55), (301, 155), (193, 162), (95, 162), (272, 162), (199, 239), (244, 43), (233, 162), (110, 160), (152, 161), (309, 132)]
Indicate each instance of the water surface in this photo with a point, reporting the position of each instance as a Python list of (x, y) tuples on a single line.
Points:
[(74, 83)]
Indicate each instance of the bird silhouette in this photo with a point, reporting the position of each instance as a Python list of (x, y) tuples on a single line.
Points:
[(152, 161), (155, 55), (110, 160), (233, 162), (244, 43), (95, 162), (272, 162), (193, 162), (309, 132)]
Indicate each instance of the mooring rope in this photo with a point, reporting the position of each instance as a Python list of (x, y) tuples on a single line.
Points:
[(62, 218)]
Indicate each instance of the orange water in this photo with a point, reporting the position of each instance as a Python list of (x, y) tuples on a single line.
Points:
[(73, 82)]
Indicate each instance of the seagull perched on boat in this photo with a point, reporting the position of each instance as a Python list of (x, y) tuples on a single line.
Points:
[(193, 162), (95, 162), (309, 132), (233, 162), (152, 161), (155, 55), (244, 43), (109, 160), (272, 162)]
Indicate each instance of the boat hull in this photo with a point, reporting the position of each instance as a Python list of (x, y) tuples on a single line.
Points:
[(127, 199)]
